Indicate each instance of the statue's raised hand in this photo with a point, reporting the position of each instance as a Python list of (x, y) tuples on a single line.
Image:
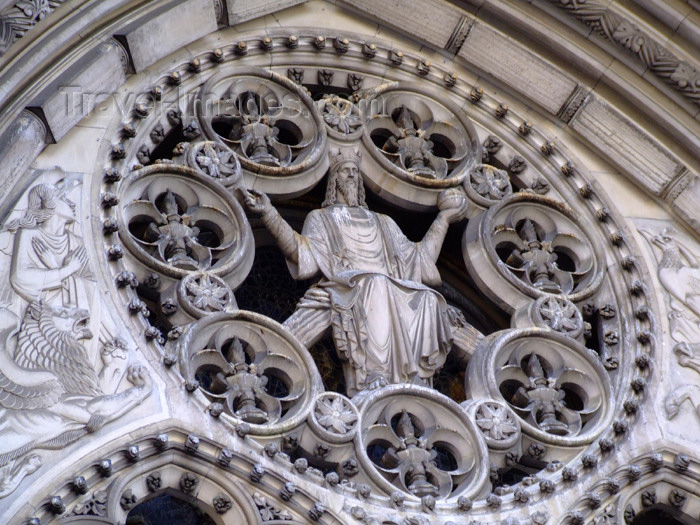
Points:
[(75, 260), (453, 205), (255, 201)]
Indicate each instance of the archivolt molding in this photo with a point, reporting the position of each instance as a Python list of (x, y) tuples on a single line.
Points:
[(608, 22), (20, 18), (661, 479), (229, 484)]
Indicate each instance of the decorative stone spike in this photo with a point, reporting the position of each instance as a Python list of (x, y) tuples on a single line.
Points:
[(341, 44), (525, 128), (115, 252), (316, 511), (225, 457), (128, 130), (547, 486), (56, 505), (105, 468), (594, 500), (288, 490), (476, 94), (192, 443), (502, 110), (634, 472), (638, 384), (162, 441), (112, 175), (589, 461), (256, 473), (80, 485), (547, 148), (133, 453), (620, 426), (423, 67), (613, 486), (319, 42), (631, 406), (118, 151), (272, 449), (369, 50), (568, 168), (656, 461), (606, 444)]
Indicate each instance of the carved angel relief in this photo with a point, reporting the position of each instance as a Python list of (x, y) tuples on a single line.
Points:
[(61, 366)]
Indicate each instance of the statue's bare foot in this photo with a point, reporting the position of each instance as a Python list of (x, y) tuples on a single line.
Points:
[(377, 382)]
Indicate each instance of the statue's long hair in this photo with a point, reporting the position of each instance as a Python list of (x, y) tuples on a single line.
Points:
[(42, 206), (332, 191)]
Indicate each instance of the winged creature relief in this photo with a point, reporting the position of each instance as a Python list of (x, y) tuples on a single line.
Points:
[(679, 274), (58, 382)]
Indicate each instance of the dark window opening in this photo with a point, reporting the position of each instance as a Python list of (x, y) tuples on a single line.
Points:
[(663, 515), (166, 509)]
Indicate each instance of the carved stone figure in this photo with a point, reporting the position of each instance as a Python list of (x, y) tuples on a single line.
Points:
[(679, 270), (387, 324), (50, 391)]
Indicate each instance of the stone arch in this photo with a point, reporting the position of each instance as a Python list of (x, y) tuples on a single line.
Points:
[(535, 125)]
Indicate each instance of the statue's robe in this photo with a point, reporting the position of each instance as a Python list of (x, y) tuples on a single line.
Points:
[(386, 323), (35, 275)]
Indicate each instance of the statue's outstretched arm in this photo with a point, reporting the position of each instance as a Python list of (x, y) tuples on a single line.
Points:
[(431, 243), (287, 239)]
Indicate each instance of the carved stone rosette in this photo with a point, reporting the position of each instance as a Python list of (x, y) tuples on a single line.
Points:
[(177, 222), (557, 387), (528, 246), (252, 366), (421, 442), (416, 142), (270, 122)]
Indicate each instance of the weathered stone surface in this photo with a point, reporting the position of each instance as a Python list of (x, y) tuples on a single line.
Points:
[(510, 62), (73, 95), (244, 10), (430, 20), (626, 144), (165, 32), (18, 148), (686, 204)]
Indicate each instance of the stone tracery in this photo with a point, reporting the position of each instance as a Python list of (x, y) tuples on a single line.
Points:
[(258, 149)]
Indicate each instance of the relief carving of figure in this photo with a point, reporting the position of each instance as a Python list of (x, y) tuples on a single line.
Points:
[(679, 274), (388, 325), (50, 391)]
